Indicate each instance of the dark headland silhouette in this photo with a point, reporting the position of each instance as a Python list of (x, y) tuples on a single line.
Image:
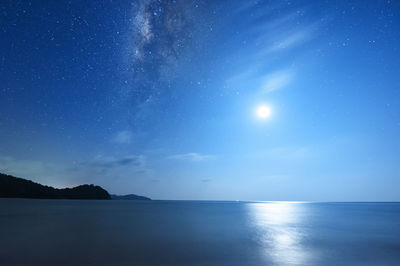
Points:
[(15, 187)]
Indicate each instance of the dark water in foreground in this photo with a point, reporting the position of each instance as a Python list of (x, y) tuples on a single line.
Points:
[(59, 232)]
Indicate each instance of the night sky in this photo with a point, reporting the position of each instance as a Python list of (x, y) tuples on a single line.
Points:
[(160, 98)]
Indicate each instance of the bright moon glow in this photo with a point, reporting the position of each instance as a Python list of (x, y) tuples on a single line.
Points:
[(263, 112)]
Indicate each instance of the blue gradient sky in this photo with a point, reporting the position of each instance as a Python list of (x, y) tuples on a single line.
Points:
[(158, 97)]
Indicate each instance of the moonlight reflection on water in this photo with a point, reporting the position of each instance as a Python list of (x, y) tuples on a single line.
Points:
[(279, 233)]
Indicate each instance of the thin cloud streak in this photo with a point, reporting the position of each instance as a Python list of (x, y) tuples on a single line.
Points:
[(192, 156), (123, 137), (276, 81)]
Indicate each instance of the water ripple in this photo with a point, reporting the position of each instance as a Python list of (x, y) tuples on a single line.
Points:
[(280, 235)]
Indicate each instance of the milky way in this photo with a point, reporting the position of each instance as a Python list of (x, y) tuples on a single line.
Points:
[(160, 35)]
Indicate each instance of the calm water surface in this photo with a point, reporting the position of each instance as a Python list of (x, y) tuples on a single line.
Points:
[(62, 232)]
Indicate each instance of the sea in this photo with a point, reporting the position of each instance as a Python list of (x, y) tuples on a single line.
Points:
[(85, 232)]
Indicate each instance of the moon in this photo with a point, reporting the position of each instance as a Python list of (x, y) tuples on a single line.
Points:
[(263, 112)]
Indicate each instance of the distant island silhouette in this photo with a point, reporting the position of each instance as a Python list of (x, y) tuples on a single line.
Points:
[(128, 197), (15, 187)]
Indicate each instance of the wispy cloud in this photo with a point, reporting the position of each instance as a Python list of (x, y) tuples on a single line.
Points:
[(275, 81), (290, 39), (123, 137), (99, 170), (242, 76), (112, 162), (101, 164), (192, 156), (266, 83), (275, 36)]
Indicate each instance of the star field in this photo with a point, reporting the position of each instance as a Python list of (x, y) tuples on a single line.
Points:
[(154, 97)]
